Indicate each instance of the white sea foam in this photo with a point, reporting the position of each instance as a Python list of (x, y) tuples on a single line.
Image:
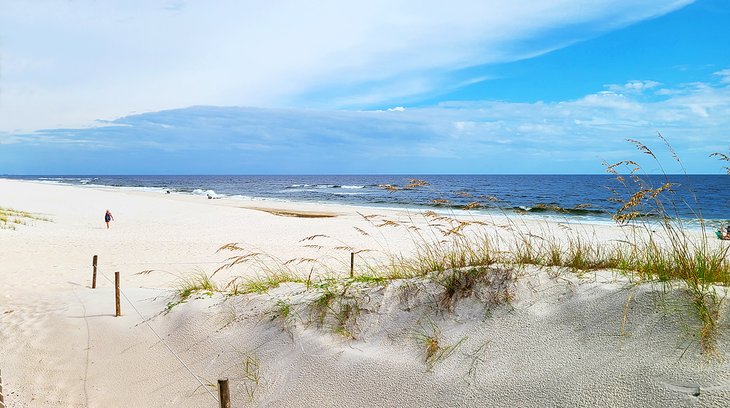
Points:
[(208, 193), (133, 188), (243, 197)]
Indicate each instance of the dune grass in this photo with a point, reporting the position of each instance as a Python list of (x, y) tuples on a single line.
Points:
[(462, 261), (459, 254), (10, 218), (188, 286), (251, 374), (435, 347), (459, 261)]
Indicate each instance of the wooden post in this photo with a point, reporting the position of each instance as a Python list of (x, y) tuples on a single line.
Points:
[(93, 277), (352, 264), (2, 399), (116, 293), (225, 397)]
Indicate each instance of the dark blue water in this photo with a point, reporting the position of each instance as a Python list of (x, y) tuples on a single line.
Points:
[(582, 196)]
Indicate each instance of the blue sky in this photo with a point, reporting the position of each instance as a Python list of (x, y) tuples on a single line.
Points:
[(290, 87)]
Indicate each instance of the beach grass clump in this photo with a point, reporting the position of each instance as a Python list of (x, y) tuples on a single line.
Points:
[(667, 250), (322, 303), (336, 305), (586, 254), (282, 310), (268, 271), (345, 317), (495, 286), (451, 249), (697, 264), (261, 283), (433, 343), (9, 218), (251, 374), (197, 283)]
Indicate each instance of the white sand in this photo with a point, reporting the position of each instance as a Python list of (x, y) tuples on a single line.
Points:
[(562, 342)]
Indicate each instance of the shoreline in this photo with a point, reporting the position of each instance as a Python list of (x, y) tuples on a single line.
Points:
[(549, 337), (283, 204)]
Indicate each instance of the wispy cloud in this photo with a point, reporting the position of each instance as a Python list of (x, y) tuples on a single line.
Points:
[(94, 60), (633, 86), (724, 76), (465, 137)]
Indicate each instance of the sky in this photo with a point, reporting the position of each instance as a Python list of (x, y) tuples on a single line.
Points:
[(361, 87)]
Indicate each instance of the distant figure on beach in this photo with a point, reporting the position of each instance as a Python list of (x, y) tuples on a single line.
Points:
[(108, 217)]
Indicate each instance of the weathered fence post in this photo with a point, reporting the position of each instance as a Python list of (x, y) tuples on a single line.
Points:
[(116, 293), (2, 398), (93, 277), (352, 264), (225, 397)]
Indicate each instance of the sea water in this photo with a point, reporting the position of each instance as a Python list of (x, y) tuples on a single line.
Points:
[(565, 196)]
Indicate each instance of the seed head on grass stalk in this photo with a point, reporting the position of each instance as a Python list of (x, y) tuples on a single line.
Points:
[(677, 254), (269, 271), (723, 157)]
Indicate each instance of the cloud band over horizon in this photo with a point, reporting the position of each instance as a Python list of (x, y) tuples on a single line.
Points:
[(454, 137)]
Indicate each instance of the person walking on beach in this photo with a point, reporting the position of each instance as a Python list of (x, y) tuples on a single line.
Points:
[(108, 217)]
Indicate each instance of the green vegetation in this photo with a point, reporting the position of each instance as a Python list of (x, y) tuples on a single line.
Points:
[(9, 218), (271, 271), (283, 310), (197, 283), (481, 258), (251, 375), (435, 347)]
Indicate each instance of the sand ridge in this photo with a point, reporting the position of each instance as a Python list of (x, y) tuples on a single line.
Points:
[(294, 213)]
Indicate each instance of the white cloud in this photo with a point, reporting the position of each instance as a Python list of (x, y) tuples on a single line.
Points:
[(469, 136), (724, 75), (100, 60), (633, 86)]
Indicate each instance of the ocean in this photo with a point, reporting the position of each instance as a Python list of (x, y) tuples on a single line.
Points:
[(585, 197)]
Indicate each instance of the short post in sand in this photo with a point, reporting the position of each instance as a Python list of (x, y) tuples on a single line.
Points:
[(93, 277), (225, 397), (2, 399), (352, 264), (116, 293)]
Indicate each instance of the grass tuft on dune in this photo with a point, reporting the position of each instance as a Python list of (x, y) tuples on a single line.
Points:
[(10, 217)]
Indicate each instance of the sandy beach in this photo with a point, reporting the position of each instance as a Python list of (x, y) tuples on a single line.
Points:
[(561, 339)]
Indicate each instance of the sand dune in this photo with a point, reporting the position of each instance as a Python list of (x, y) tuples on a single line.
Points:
[(559, 340)]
